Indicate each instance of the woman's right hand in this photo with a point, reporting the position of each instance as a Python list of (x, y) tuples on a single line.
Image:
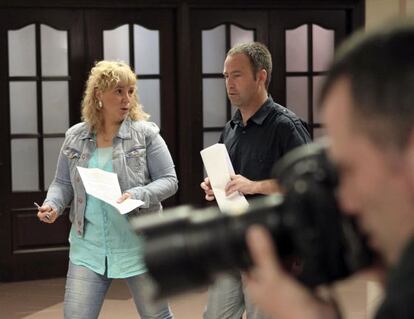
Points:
[(46, 214)]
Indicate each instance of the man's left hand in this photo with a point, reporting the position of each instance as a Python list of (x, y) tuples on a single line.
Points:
[(240, 184)]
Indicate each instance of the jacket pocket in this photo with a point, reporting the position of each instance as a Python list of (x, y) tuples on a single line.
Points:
[(136, 157), (71, 153), (73, 156)]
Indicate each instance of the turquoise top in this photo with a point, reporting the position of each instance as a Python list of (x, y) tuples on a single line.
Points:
[(109, 243)]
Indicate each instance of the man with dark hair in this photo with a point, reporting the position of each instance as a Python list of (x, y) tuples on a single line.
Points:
[(368, 107), (260, 132)]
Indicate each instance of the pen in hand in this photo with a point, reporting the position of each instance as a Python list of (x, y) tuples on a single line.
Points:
[(39, 208)]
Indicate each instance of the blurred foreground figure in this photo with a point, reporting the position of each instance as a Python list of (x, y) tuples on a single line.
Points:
[(368, 108)]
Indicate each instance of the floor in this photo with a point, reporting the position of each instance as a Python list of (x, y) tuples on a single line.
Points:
[(42, 299)]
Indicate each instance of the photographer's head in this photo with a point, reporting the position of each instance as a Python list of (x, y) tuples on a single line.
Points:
[(368, 107)]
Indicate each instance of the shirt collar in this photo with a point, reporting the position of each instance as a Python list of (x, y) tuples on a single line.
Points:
[(258, 117)]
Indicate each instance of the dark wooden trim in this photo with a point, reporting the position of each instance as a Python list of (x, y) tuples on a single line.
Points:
[(34, 265), (356, 16), (149, 77), (212, 75), (310, 79), (168, 89), (304, 73), (132, 45), (38, 78), (39, 104), (5, 229), (228, 47), (183, 62), (200, 4)]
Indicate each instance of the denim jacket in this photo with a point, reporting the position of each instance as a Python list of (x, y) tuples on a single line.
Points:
[(140, 157)]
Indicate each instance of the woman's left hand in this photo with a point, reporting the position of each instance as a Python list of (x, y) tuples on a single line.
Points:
[(124, 197)]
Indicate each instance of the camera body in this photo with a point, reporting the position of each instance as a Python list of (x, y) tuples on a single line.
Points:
[(187, 248)]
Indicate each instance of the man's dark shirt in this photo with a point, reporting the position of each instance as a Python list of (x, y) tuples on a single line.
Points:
[(399, 291), (270, 133)]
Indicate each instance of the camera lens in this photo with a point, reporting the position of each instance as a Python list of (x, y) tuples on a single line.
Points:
[(187, 248)]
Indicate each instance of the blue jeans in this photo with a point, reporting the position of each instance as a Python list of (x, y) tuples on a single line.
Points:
[(85, 293), (226, 300)]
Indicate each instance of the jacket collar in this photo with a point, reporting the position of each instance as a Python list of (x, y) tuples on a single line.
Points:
[(124, 131)]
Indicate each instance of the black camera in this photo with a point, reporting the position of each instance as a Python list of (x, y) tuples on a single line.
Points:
[(187, 248)]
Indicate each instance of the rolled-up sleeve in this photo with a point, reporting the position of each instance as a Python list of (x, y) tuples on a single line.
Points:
[(60, 192)]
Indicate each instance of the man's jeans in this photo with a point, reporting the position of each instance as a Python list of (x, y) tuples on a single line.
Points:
[(226, 300), (85, 292)]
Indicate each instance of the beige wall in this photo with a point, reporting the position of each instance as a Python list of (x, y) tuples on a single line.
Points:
[(379, 11), (410, 6)]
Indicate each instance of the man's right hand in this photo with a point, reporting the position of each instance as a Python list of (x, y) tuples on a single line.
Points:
[(206, 186)]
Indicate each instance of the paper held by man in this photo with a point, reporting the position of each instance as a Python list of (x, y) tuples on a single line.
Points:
[(105, 186), (219, 169)]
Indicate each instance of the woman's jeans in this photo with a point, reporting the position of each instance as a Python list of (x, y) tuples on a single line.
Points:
[(85, 292)]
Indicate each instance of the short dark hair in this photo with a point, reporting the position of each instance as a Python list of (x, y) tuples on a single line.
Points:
[(380, 68), (259, 56)]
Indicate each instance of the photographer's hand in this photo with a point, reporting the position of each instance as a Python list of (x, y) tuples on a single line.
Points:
[(274, 291)]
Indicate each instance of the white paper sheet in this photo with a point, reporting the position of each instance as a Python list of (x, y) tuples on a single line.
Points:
[(219, 169), (105, 186)]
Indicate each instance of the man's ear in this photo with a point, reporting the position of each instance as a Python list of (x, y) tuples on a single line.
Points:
[(262, 75)]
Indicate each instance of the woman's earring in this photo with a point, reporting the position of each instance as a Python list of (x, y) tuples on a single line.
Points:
[(100, 104)]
